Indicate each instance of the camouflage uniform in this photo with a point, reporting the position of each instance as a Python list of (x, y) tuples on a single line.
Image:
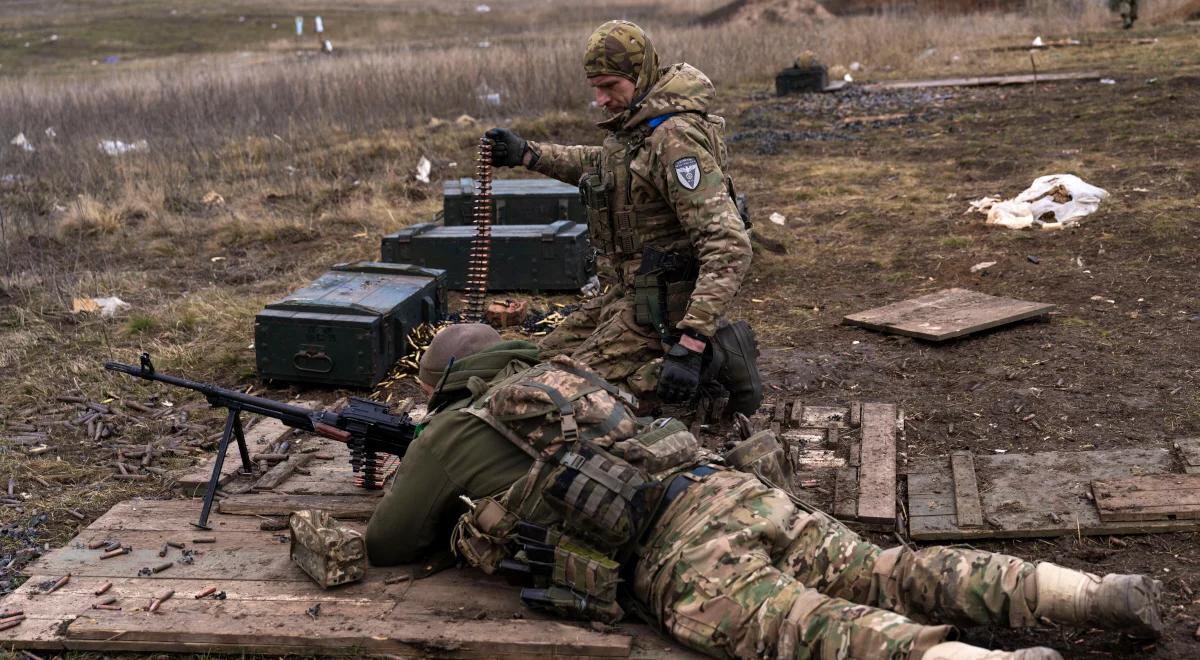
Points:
[(731, 567), (734, 569), (660, 183)]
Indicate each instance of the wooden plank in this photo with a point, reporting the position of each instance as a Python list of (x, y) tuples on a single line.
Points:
[(342, 507), (845, 494), (1035, 495), (947, 314), (819, 416), (877, 475), (966, 490), (282, 471), (1189, 453), (985, 81), (1149, 497), (345, 629)]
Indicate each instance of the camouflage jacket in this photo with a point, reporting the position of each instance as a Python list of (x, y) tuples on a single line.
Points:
[(662, 171)]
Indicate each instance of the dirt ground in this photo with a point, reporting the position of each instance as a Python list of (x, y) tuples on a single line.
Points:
[(875, 214), (873, 187)]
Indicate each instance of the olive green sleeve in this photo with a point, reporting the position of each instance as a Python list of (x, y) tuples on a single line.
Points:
[(562, 162), (690, 178), (455, 455)]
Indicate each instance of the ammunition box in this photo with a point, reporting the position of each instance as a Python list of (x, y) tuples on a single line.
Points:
[(800, 80), (514, 202), (331, 554), (349, 326), (553, 257)]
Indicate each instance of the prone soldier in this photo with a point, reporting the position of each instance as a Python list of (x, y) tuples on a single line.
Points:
[(672, 247), (612, 514)]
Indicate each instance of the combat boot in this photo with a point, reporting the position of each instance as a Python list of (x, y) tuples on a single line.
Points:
[(734, 366), (960, 651), (1127, 603)]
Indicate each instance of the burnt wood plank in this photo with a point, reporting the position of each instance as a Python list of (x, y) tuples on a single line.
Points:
[(877, 474), (966, 490), (1149, 497), (947, 314)]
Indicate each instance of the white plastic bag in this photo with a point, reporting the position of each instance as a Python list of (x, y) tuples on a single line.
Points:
[(1051, 202)]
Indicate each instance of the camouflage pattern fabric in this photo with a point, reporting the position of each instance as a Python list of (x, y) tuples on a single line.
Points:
[(620, 48), (734, 569), (661, 187), (330, 553), (604, 335)]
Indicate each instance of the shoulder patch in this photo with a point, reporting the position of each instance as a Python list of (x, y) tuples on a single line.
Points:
[(687, 170)]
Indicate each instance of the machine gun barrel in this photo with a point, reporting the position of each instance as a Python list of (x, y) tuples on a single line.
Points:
[(366, 427), (293, 416)]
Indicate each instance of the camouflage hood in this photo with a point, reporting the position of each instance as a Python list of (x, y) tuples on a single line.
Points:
[(485, 364), (680, 88)]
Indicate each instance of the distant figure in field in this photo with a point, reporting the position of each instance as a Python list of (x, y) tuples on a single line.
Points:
[(1127, 9)]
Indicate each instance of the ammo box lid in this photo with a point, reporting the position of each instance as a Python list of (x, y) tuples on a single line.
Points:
[(547, 232), (364, 287), (511, 187)]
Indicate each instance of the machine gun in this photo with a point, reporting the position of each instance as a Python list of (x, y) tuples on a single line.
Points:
[(365, 426)]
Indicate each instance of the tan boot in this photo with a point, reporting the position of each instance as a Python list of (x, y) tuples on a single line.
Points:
[(960, 651), (1127, 603)]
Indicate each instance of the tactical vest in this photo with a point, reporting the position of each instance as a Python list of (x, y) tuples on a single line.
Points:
[(594, 487), (630, 222)]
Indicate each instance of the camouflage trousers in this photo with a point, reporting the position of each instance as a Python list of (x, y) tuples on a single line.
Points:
[(734, 569), (604, 335)]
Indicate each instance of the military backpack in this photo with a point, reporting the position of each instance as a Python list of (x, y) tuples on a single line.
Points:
[(598, 476)]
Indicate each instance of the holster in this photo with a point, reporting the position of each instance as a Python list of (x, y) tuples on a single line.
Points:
[(662, 287)]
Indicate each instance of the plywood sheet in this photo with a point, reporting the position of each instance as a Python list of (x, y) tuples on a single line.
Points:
[(1031, 495), (1150, 497), (267, 602), (947, 314)]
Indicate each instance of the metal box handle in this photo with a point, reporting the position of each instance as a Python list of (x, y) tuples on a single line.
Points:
[(317, 357)]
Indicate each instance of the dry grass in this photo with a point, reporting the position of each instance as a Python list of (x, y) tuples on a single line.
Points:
[(226, 122)]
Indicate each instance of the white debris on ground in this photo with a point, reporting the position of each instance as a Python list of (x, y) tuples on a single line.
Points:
[(106, 306), (424, 167), (1051, 202), (983, 265), (117, 147), (22, 142), (778, 218)]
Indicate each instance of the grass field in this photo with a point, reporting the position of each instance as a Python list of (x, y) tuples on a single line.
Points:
[(310, 159)]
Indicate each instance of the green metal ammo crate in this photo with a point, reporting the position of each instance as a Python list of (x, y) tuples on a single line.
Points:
[(553, 257), (514, 202), (349, 326)]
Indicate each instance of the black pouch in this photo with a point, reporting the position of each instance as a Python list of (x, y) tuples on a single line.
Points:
[(599, 496)]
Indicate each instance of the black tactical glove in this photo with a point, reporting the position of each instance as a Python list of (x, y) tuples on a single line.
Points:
[(681, 368), (508, 148)]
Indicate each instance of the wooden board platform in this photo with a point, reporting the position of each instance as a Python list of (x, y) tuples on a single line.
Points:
[(947, 314), (1149, 497), (1026, 495), (985, 81), (268, 604)]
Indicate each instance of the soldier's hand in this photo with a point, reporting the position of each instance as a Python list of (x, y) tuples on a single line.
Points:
[(680, 377), (508, 148)]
